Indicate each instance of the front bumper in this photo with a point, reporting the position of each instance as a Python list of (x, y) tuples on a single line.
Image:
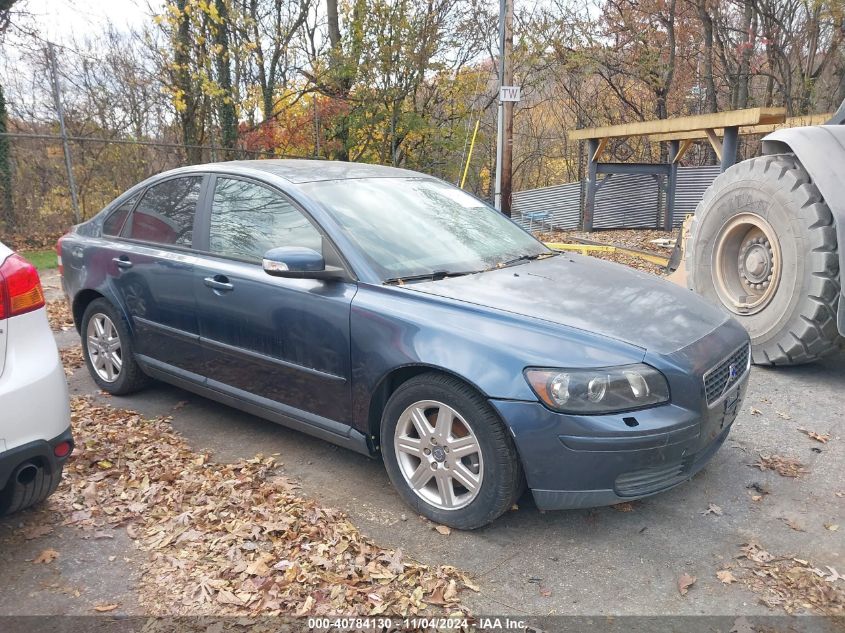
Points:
[(586, 461)]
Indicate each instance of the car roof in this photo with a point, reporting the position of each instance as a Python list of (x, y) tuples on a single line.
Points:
[(301, 170)]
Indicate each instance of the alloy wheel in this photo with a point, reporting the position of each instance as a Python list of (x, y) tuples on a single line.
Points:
[(439, 455), (104, 348)]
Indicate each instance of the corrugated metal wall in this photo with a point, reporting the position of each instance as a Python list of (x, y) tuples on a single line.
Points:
[(692, 183), (625, 201), (558, 206)]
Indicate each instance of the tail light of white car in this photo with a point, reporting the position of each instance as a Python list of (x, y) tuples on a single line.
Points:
[(20, 287)]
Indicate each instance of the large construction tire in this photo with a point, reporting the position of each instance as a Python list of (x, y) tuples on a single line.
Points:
[(763, 246)]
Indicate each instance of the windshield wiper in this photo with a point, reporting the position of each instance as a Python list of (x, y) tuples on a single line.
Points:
[(522, 258), (435, 275)]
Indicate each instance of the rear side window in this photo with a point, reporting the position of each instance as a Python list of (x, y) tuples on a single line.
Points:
[(165, 215), (114, 223), (247, 220)]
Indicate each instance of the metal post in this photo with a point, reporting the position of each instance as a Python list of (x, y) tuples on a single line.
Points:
[(57, 99), (671, 186), (592, 174), (729, 147), (469, 155), (500, 132), (316, 128)]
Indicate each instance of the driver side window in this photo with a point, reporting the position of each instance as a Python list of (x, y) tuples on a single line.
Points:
[(248, 219)]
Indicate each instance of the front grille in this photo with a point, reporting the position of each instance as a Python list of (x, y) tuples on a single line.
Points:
[(649, 480), (717, 378)]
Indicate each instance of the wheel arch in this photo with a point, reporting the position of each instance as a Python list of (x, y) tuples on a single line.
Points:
[(81, 301), (391, 381), (821, 151)]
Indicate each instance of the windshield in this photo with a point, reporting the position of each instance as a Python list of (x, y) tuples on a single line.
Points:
[(408, 227)]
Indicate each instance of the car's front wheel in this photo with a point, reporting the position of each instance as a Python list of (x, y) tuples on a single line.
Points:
[(448, 453)]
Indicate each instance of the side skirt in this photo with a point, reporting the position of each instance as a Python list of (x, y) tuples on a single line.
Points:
[(328, 430)]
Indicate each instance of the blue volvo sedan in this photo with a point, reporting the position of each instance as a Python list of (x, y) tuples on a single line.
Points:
[(394, 314)]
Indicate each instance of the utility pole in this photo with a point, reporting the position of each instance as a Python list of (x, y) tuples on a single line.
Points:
[(507, 146), (57, 99), (504, 145)]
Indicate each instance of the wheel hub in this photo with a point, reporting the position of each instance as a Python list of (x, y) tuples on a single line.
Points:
[(755, 262), (439, 455), (746, 263)]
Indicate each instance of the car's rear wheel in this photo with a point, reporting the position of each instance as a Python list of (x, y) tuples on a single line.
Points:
[(107, 349), (448, 453)]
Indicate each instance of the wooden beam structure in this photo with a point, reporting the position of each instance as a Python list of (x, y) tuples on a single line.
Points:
[(715, 143), (721, 129), (746, 130), (732, 118)]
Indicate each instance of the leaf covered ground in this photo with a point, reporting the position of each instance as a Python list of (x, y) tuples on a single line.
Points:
[(232, 538)]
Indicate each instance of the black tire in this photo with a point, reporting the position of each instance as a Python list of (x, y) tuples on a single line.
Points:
[(130, 378), (36, 486), (798, 324), (502, 482)]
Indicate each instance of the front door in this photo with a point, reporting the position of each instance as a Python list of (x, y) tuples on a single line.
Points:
[(282, 340)]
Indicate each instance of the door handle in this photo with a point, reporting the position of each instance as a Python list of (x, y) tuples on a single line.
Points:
[(219, 282), (122, 262)]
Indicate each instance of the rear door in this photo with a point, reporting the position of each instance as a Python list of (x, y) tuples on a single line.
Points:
[(283, 341), (152, 266)]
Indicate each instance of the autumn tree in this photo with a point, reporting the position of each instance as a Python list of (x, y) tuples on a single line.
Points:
[(8, 208)]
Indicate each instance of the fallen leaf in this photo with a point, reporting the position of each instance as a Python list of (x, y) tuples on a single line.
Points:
[(834, 575), (46, 556), (752, 551), (90, 493), (625, 506), (813, 435), (713, 509), (783, 466), (685, 582), (783, 415), (755, 411), (442, 529), (545, 592), (756, 497), (831, 526), (792, 524), (102, 608), (725, 576)]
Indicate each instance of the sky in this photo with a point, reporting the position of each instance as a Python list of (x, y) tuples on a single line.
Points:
[(58, 20)]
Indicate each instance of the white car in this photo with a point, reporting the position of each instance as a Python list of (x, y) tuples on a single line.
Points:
[(35, 436)]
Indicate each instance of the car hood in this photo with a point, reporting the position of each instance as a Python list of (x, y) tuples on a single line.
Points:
[(592, 295)]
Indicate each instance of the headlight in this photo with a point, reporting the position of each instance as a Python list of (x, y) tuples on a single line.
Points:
[(601, 390)]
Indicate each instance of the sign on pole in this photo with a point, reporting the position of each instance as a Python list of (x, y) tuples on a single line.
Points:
[(510, 93)]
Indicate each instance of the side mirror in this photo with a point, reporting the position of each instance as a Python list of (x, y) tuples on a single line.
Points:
[(296, 262)]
